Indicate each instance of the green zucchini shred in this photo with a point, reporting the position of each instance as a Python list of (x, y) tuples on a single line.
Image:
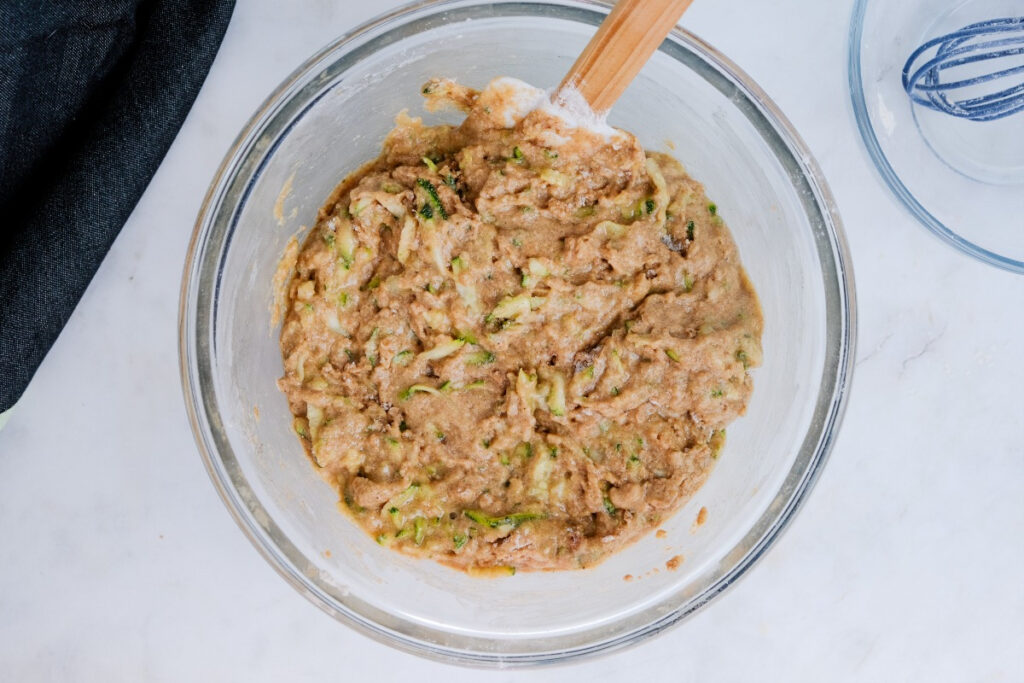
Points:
[(433, 201), (408, 392), (609, 507), (717, 443), (514, 520), (523, 450), (458, 265), (482, 357)]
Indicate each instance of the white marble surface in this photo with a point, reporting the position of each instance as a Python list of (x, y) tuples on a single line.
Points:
[(119, 562)]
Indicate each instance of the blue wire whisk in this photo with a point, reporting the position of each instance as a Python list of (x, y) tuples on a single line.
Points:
[(932, 81)]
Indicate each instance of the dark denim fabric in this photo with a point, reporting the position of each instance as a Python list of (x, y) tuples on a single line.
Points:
[(92, 93)]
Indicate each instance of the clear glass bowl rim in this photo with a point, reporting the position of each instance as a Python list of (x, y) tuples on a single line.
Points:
[(197, 386), (888, 173)]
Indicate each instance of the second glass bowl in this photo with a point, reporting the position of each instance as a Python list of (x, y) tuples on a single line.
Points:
[(963, 180)]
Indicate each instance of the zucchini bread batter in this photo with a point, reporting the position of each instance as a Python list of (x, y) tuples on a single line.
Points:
[(515, 343)]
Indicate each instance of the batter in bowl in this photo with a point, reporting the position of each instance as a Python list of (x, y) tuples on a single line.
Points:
[(515, 344)]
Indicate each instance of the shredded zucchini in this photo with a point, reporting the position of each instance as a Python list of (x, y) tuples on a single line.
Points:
[(358, 206), (315, 418), (305, 291), (610, 229), (508, 521), (514, 306), (556, 397), (433, 201), (482, 357), (405, 497), (534, 272), (334, 324), (553, 177), (717, 443), (661, 197), (469, 296), (371, 347), (406, 238), (409, 392), (523, 450), (609, 507), (443, 349), (345, 240), (540, 477), (526, 388)]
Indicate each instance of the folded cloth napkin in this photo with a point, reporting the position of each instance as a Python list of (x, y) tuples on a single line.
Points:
[(92, 93)]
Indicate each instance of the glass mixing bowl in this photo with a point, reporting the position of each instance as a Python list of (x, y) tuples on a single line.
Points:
[(963, 180), (330, 117)]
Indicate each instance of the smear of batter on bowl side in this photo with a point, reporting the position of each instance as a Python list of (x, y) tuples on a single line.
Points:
[(516, 343)]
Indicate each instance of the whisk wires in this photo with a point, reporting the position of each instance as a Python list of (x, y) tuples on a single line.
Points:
[(996, 39)]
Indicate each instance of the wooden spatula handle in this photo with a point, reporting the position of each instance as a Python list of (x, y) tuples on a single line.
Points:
[(624, 42)]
